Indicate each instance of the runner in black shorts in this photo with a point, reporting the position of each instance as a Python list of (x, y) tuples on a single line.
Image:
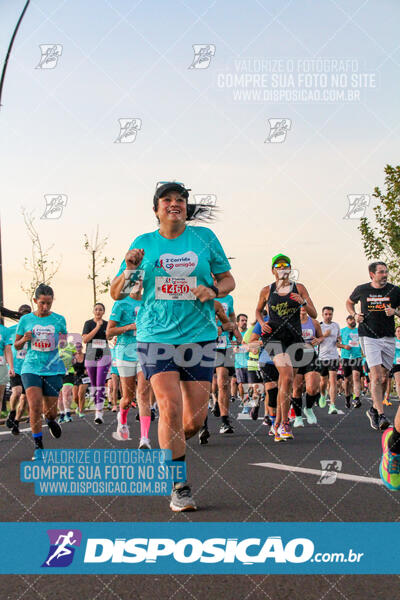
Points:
[(241, 359), (282, 333), (18, 400), (81, 380), (328, 360), (225, 324), (312, 335), (225, 361), (270, 376)]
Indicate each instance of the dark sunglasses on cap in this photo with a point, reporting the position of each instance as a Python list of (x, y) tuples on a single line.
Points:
[(173, 186), (160, 183)]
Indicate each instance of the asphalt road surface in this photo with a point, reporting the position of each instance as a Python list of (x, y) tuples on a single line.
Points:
[(241, 477)]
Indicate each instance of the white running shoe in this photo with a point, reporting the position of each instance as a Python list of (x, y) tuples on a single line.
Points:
[(98, 417), (311, 418), (144, 444), (298, 422), (122, 433)]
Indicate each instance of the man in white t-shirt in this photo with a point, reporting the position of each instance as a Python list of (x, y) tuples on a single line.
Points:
[(328, 359)]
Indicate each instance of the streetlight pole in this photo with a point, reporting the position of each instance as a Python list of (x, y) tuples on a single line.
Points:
[(3, 73), (1, 281)]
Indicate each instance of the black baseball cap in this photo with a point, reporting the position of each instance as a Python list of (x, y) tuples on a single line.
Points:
[(163, 187)]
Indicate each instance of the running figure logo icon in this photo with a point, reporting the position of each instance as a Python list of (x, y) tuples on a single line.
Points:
[(62, 547), (358, 204), (203, 54), (128, 129), (50, 56), (55, 203), (278, 129), (329, 469)]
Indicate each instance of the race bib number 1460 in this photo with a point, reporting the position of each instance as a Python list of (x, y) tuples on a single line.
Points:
[(175, 288)]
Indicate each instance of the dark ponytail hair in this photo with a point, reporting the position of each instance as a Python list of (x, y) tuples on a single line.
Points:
[(10, 314), (15, 315), (44, 290), (205, 213)]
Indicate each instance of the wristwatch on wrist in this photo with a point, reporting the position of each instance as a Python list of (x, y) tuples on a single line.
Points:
[(214, 289)]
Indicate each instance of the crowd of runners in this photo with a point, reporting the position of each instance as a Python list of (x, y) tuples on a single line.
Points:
[(174, 348)]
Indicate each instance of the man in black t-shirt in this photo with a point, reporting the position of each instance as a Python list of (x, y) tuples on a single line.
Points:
[(380, 301)]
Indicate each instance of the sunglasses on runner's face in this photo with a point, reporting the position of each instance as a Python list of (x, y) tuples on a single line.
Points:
[(281, 265)]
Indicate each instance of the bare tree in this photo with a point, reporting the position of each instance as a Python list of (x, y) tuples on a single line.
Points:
[(40, 266), (95, 248)]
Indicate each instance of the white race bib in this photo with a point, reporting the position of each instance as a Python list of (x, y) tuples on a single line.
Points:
[(21, 353), (353, 339), (221, 342), (85, 379), (99, 344), (43, 344), (307, 334), (175, 288), (2, 361)]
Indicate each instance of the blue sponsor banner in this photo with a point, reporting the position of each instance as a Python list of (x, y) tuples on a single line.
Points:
[(200, 548), (73, 472)]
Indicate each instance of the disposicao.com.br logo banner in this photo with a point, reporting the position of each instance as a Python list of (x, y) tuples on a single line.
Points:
[(199, 548)]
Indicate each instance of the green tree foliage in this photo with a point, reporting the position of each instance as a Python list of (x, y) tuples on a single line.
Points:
[(381, 236)]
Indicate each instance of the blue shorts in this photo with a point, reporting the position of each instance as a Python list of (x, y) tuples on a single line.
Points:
[(50, 384), (193, 362)]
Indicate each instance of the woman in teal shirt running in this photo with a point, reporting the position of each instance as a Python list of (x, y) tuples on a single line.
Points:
[(176, 330), (42, 370)]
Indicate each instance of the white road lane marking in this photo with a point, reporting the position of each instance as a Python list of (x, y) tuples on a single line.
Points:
[(8, 432), (318, 472)]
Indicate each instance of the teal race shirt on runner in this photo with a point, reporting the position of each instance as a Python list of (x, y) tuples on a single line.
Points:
[(350, 338), (396, 360), (18, 355), (241, 358), (224, 340), (42, 356), (124, 312), (170, 313), (4, 340), (113, 368)]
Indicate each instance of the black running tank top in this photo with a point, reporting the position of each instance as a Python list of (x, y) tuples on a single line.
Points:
[(283, 311)]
